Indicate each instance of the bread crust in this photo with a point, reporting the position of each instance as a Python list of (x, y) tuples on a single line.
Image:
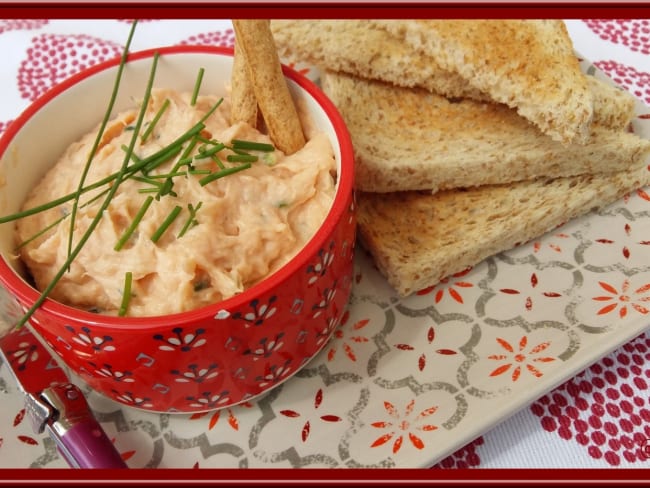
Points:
[(242, 95), (528, 64), (416, 239), (470, 137), (410, 139), (359, 48), (274, 100)]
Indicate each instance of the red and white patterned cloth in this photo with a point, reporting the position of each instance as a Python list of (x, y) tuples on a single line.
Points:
[(599, 419)]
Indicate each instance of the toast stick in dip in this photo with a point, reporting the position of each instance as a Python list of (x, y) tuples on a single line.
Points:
[(244, 103), (274, 100)]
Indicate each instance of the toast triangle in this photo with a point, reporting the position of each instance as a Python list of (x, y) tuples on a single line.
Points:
[(416, 239), (410, 139), (528, 64)]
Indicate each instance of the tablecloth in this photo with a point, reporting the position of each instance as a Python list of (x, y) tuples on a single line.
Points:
[(598, 419)]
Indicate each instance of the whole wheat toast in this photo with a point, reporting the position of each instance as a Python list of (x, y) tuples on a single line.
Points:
[(528, 64), (360, 48), (416, 238), (364, 49), (411, 139)]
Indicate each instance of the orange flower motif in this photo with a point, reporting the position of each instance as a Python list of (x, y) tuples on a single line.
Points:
[(625, 250), (422, 359), (528, 302), (623, 298), (401, 426), (537, 245), (347, 338), (448, 284), (641, 193), (232, 418), (520, 358), (306, 427)]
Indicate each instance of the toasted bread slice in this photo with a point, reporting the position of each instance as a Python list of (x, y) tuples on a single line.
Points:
[(268, 84), (364, 49), (613, 106), (410, 139), (416, 238), (529, 65), (360, 48)]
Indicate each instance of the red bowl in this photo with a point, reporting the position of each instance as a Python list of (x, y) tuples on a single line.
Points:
[(211, 357)]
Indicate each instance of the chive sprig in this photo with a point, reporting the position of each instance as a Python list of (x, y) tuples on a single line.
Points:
[(142, 169)]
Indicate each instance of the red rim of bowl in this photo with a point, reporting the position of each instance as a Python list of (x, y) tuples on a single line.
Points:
[(16, 285)]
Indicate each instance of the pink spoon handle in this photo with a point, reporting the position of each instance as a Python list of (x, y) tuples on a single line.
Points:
[(86, 445), (79, 437)]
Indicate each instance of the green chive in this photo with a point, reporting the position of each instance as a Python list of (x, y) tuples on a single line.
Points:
[(205, 140), (197, 86), (199, 171), (241, 158), (191, 220), (154, 160), (209, 112), (136, 221), (168, 175), (166, 189), (155, 120), (41, 232), (238, 144), (162, 157), (238, 151), (210, 152), (168, 184), (224, 172), (190, 147), (102, 128), (127, 171), (121, 174), (216, 159), (166, 223), (184, 162), (58, 221), (134, 157), (126, 295), (187, 135), (147, 179), (53, 203), (185, 158)]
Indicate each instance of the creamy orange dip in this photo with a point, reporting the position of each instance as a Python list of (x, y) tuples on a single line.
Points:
[(249, 223)]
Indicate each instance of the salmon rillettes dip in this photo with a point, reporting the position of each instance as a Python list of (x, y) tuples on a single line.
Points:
[(199, 238)]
